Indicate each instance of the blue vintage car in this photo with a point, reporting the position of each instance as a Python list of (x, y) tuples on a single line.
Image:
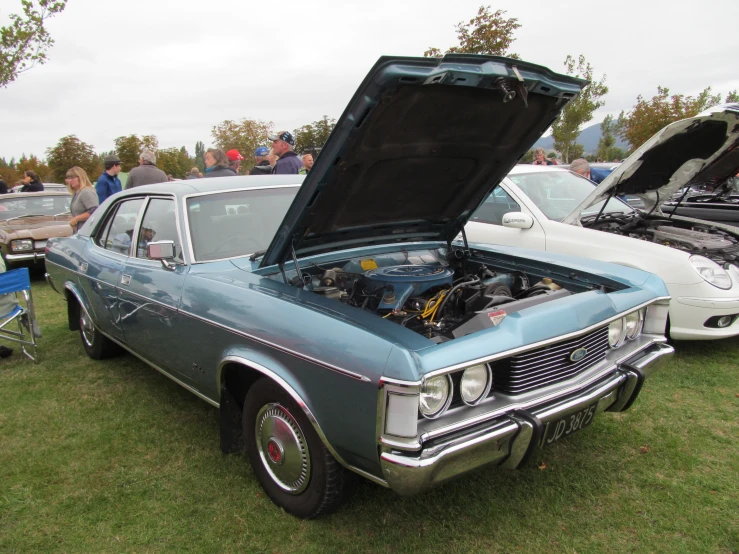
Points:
[(338, 325)]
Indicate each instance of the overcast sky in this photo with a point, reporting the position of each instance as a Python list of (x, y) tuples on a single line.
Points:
[(176, 69)]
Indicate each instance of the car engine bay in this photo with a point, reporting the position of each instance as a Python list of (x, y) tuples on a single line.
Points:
[(439, 296), (695, 238)]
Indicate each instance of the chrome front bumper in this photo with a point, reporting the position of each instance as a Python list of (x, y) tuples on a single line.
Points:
[(35, 256), (510, 439)]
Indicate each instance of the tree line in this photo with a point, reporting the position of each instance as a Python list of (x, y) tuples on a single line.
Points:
[(245, 135)]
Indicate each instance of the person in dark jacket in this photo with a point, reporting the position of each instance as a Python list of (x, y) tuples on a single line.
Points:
[(263, 167), (147, 173), (194, 174), (3, 186), (282, 145), (31, 182), (108, 182), (234, 160), (216, 164)]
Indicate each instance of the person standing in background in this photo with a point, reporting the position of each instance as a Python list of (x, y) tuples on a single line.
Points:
[(84, 197), (108, 182), (147, 173)]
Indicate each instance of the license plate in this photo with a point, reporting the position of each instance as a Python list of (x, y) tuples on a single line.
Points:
[(569, 424)]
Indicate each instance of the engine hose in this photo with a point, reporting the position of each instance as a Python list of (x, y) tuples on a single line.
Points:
[(452, 291)]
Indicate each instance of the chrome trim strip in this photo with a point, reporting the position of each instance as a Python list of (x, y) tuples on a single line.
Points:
[(541, 344), (260, 340), (188, 235), (303, 406)]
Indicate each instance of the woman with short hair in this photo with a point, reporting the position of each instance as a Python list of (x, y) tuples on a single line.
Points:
[(216, 164), (31, 182), (84, 198)]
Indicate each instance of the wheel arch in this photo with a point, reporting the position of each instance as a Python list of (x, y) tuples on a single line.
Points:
[(236, 374), (74, 303)]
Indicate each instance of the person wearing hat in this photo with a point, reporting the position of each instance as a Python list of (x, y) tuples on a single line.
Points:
[(262, 167), (282, 145), (108, 183), (234, 160)]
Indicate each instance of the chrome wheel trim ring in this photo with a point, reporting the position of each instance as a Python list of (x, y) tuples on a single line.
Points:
[(275, 425), (87, 327)]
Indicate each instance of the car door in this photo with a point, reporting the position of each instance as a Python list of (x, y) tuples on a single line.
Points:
[(486, 224), (106, 254), (150, 292)]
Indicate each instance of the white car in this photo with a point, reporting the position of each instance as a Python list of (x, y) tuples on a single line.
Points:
[(552, 209)]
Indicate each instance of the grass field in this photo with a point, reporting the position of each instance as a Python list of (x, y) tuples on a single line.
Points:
[(113, 457)]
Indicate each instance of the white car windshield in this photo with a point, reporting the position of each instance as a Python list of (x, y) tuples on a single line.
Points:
[(557, 193), (232, 224)]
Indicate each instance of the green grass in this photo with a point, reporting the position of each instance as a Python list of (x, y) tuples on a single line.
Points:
[(113, 457)]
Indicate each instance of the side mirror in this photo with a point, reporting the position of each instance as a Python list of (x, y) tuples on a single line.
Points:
[(518, 220), (160, 250)]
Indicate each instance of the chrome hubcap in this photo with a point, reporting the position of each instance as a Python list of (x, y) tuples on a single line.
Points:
[(88, 329), (282, 448)]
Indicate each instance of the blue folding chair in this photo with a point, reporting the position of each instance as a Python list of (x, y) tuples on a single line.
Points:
[(18, 282)]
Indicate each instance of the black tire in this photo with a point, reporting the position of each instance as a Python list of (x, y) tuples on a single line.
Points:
[(97, 346), (291, 463)]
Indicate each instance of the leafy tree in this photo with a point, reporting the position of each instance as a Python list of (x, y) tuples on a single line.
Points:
[(607, 138), (34, 164), (24, 42), (579, 111), (174, 161), (732, 97), (618, 154), (487, 33), (150, 142), (200, 156), (129, 148), (649, 116), (576, 151), (69, 152), (245, 135), (312, 136)]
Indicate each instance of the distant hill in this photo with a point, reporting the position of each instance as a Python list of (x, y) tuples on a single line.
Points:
[(588, 137)]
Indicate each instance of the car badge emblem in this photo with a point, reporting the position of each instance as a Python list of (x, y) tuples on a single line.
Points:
[(497, 316), (578, 354)]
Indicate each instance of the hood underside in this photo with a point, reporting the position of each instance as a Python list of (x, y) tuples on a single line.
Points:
[(419, 147), (700, 149)]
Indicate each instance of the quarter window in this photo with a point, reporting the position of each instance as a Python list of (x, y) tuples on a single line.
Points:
[(159, 223)]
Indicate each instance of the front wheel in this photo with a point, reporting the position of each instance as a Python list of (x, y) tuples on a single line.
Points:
[(96, 345), (291, 463)]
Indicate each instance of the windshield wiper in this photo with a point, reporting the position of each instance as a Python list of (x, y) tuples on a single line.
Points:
[(22, 216), (258, 254)]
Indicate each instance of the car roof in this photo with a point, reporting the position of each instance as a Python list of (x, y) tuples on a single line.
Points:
[(33, 194), (529, 168), (216, 184)]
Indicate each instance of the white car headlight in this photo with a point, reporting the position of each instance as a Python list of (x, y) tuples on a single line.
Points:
[(475, 384), (617, 332), (436, 393), (711, 272), (22, 244), (634, 324)]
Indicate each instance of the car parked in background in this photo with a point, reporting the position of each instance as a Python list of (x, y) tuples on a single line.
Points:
[(337, 325), (555, 210), (28, 220), (48, 187)]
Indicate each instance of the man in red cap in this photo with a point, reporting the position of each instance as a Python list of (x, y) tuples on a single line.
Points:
[(234, 160)]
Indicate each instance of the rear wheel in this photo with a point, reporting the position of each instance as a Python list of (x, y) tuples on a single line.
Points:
[(291, 463), (96, 345)]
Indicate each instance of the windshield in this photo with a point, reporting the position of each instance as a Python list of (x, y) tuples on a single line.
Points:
[(558, 193), (33, 205), (232, 224)]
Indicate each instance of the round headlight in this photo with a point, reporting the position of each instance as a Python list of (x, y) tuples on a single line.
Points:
[(634, 324), (711, 272), (616, 333), (475, 383), (436, 393)]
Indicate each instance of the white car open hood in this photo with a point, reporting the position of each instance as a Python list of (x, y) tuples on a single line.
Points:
[(694, 150)]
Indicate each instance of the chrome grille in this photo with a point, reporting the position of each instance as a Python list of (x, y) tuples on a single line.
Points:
[(545, 366)]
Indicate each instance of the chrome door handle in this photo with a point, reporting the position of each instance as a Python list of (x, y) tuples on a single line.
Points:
[(126, 280)]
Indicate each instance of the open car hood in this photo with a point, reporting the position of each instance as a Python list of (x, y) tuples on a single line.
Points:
[(421, 144), (700, 149)]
